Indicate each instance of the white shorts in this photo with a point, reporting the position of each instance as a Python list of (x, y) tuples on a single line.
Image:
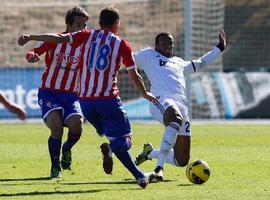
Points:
[(158, 110)]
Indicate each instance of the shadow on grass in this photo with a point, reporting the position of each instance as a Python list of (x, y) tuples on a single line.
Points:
[(25, 179), (51, 193), (185, 185), (126, 181)]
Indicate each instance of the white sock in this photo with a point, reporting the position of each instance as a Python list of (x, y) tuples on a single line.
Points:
[(154, 154), (167, 143)]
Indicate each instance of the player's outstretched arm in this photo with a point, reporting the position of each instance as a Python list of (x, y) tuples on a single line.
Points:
[(47, 37), (138, 83), (13, 108), (210, 56)]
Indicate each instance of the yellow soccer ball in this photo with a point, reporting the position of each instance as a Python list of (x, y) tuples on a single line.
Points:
[(198, 172)]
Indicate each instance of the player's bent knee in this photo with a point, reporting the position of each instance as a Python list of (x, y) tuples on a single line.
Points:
[(75, 125), (120, 144), (183, 162)]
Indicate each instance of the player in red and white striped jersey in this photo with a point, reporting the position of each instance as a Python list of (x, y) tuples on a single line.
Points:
[(102, 57), (57, 94), (102, 52)]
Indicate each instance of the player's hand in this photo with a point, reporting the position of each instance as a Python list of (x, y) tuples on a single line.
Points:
[(21, 114), (23, 39), (150, 97), (32, 57), (222, 38)]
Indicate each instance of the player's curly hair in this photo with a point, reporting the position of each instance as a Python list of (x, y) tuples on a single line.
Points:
[(108, 16), (76, 11)]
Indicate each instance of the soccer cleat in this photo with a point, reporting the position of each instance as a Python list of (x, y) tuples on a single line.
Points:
[(159, 173), (66, 160), (56, 172), (147, 148), (144, 181), (107, 158)]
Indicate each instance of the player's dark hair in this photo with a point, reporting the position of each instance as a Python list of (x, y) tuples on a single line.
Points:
[(161, 34), (72, 13), (108, 16)]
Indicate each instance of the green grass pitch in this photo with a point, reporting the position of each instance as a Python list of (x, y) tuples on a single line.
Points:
[(238, 155)]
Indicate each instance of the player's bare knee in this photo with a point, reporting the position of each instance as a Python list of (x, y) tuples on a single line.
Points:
[(75, 125), (183, 162), (182, 159)]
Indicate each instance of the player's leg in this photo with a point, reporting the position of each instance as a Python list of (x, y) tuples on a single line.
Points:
[(73, 120), (117, 129), (172, 121), (55, 124), (181, 153), (74, 124), (93, 117), (52, 116)]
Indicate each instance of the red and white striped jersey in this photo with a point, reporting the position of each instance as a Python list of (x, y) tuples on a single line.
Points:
[(102, 53), (62, 66)]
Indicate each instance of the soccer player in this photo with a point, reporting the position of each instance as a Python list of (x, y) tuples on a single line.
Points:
[(13, 108), (166, 74), (103, 51), (57, 95)]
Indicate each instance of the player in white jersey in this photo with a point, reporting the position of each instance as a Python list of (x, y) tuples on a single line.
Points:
[(166, 74)]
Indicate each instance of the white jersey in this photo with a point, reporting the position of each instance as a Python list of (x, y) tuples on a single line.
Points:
[(166, 75)]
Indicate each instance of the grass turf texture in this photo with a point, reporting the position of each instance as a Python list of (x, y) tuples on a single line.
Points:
[(238, 156)]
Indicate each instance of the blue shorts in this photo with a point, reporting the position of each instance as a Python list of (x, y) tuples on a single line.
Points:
[(107, 116), (50, 100)]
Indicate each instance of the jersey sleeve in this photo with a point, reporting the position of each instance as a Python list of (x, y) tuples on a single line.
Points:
[(77, 38), (140, 57), (41, 47), (206, 59), (125, 51)]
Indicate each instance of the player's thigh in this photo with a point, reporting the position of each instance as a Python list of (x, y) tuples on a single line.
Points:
[(74, 123), (165, 111), (55, 123), (114, 119), (172, 115), (91, 115), (71, 106), (182, 150)]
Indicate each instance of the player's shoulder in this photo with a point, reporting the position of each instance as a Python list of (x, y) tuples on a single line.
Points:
[(177, 59), (146, 51)]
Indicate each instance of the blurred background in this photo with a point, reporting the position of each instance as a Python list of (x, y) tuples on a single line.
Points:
[(235, 86)]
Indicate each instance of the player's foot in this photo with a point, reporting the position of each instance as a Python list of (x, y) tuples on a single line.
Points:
[(144, 181), (147, 148), (56, 172), (159, 173), (107, 158), (66, 160)]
